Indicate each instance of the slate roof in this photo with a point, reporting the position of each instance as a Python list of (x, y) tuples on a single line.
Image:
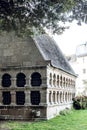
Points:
[(51, 52)]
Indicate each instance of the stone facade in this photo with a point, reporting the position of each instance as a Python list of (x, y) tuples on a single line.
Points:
[(30, 86)]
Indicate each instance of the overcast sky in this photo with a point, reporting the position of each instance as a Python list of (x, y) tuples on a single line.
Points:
[(71, 38)]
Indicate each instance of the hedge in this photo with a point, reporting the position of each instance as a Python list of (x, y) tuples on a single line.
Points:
[(80, 102)]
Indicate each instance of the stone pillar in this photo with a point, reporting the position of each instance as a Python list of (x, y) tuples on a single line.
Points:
[(50, 97), (64, 97), (55, 97), (43, 97), (13, 98), (47, 97), (56, 82), (27, 98), (0, 82), (27, 82), (1, 98), (44, 82), (71, 96), (67, 97), (59, 98), (13, 82)]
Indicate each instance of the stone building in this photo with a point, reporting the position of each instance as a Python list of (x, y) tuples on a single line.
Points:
[(78, 61), (36, 81)]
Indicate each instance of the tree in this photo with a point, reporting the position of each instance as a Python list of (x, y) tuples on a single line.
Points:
[(26, 15)]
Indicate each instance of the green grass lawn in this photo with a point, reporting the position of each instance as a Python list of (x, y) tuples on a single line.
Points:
[(75, 120)]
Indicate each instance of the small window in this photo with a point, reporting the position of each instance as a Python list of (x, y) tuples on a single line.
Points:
[(21, 81), (36, 79), (6, 98), (6, 80), (35, 97), (20, 98), (84, 71)]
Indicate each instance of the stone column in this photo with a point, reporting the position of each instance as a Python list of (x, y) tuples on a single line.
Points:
[(51, 97), (47, 97), (27, 98), (13, 98), (55, 97), (61, 97), (0, 82), (43, 97), (58, 97), (45, 82), (13, 82), (1, 98), (67, 97), (64, 97), (71, 96), (27, 82)]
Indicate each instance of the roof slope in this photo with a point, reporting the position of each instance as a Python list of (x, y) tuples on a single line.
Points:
[(50, 51)]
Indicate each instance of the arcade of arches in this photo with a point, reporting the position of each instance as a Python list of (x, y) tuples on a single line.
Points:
[(27, 90)]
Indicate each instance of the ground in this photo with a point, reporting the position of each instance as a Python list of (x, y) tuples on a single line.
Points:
[(74, 120)]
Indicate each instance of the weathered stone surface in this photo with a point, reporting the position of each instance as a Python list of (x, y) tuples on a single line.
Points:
[(27, 56), (17, 51)]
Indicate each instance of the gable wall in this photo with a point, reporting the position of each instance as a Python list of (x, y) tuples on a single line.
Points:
[(16, 51)]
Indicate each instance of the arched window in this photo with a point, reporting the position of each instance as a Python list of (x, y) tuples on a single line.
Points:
[(50, 97), (66, 96), (54, 79), (64, 82), (53, 97), (61, 81), (69, 83), (58, 80), (57, 97), (35, 97), (20, 98), (36, 79), (61, 97), (50, 81), (6, 80), (21, 81), (6, 98)]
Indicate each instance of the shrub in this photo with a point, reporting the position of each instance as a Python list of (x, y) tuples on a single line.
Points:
[(80, 102), (65, 112)]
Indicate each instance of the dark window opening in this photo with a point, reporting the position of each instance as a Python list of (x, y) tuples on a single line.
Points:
[(21, 81), (6, 98), (20, 98), (36, 79), (6, 80), (35, 97), (84, 71)]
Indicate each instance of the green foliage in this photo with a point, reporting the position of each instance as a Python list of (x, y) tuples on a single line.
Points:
[(25, 15), (80, 102), (65, 112)]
